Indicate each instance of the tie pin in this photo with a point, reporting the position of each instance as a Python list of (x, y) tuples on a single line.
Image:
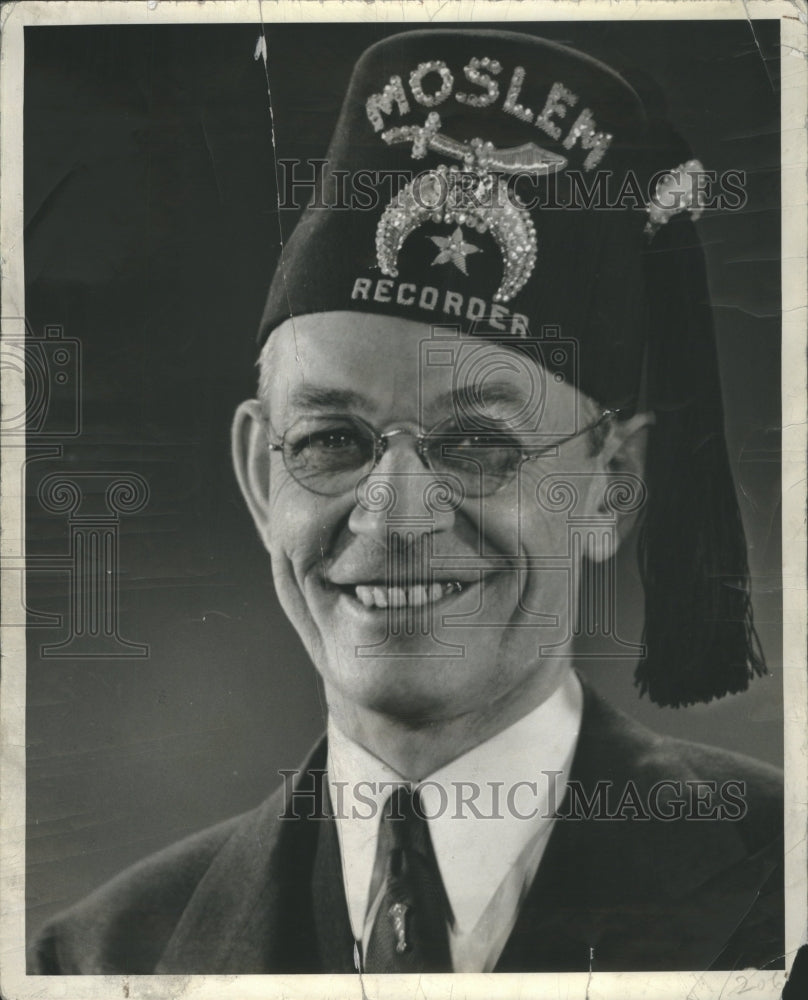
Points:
[(398, 914)]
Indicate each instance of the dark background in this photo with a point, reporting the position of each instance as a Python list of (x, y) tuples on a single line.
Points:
[(151, 235)]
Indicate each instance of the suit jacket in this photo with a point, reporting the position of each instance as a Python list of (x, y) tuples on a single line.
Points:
[(258, 894)]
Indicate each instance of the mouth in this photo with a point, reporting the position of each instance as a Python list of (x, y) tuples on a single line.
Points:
[(374, 595)]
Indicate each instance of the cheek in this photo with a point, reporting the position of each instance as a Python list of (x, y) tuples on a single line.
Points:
[(299, 528), (556, 501), (297, 533), (538, 522), (521, 523), (298, 520), (559, 514)]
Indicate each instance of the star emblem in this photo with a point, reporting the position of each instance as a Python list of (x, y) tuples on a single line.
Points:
[(453, 249)]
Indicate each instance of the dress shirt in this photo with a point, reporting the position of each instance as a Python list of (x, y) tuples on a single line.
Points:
[(488, 846)]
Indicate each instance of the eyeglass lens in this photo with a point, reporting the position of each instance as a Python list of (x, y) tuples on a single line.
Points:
[(330, 456)]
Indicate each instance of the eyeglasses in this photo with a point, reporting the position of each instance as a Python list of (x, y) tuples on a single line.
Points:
[(330, 455)]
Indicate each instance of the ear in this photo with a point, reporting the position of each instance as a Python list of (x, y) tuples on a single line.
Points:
[(623, 455), (250, 445)]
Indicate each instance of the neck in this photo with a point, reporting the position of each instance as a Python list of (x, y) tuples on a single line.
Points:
[(417, 747)]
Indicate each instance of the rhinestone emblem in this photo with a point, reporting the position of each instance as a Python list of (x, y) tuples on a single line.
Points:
[(445, 195), (674, 194)]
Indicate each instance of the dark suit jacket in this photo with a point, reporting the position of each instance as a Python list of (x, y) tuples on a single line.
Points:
[(257, 894)]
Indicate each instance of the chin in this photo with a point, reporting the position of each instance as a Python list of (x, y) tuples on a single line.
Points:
[(409, 684)]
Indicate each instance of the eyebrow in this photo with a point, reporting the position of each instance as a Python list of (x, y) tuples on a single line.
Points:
[(318, 397), (322, 398), (487, 392)]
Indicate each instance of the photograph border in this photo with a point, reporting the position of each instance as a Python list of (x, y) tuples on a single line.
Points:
[(14, 983)]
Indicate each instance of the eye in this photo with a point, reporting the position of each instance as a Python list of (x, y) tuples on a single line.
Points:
[(331, 446), (495, 437), (338, 439), (492, 454), (486, 439)]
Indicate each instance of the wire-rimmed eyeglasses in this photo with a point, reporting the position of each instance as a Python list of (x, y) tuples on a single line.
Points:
[(330, 455)]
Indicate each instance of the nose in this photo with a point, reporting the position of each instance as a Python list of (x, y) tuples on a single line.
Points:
[(402, 494)]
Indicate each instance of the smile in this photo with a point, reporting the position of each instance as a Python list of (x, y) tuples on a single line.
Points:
[(378, 596)]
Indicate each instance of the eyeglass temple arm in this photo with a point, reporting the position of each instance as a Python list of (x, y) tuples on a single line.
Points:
[(605, 415)]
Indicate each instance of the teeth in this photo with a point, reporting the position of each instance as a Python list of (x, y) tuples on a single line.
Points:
[(373, 596)]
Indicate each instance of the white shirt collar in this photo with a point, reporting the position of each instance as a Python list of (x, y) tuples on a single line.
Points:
[(474, 854)]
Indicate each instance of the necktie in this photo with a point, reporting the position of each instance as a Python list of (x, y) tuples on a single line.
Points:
[(410, 929)]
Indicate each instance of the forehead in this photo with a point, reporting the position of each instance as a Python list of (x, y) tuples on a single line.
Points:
[(386, 366)]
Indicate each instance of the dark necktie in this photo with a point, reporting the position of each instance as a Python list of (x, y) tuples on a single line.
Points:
[(410, 930)]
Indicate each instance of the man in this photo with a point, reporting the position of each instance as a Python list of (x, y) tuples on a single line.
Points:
[(474, 384)]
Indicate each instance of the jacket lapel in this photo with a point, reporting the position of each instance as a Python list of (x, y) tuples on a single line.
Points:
[(332, 936), (253, 911), (631, 894)]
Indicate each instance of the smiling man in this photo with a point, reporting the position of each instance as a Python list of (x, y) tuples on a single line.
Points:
[(471, 392)]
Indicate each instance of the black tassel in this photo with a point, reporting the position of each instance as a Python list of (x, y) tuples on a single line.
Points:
[(699, 632)]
